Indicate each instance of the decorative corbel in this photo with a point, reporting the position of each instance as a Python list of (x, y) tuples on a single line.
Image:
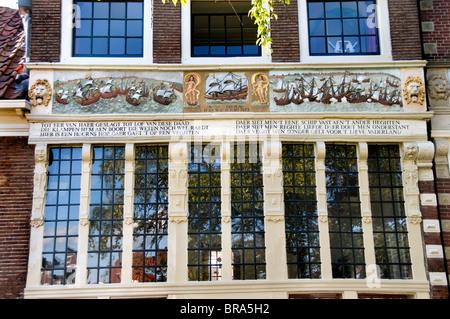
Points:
[(441, 157)]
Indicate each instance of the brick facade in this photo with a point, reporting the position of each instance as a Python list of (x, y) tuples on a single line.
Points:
[(16, 188), (435, 264), (436, 31), (45, 31), (285, 34), (405, 30), (166, 32)]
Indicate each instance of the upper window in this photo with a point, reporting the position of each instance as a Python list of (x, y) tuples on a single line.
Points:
[(108, 29), (342, 28), (222, 30)]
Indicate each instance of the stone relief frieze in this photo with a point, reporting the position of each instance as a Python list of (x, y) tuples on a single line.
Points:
[(335, 91), (117, 94), (203, 91)]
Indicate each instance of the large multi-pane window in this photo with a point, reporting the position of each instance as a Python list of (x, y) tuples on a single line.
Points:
[(204, 223), (342, 27), (59, 256), (247, 213), (388, 213), (150, 213), (222, 30), (300, 203), (106, 215), (108, 28), (344, 213)]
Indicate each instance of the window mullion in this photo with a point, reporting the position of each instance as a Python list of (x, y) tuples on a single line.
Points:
[(366, 212), (322, 211), (226, 212), (83, 232), (127, 255)]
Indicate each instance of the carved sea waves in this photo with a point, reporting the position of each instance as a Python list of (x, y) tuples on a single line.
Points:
[(336, 91), (117, 95)]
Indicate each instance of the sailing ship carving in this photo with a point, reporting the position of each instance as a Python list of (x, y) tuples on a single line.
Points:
[(136, 91), (338, 87), (230, 87)]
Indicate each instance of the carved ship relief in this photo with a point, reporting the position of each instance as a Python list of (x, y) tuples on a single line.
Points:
[(330, 88)]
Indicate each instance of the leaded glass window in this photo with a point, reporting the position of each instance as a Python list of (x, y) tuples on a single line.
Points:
[(59, 255), (344, 215), (150, 213), (106, 215), (388, 212), (247, 213), (300, 203), (204, 223)]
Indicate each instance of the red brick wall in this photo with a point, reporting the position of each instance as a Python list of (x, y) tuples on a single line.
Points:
[(443, 187), (166, 32), (433, 238), (285, 34), (405, 29), (16, 188), (45, 31), (437, 12)]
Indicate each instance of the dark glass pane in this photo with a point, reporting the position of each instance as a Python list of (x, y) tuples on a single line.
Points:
[(317, 45), (134, 28), (101, 10), (117, 28), (117, 46), (118, 10), (135, 10), (85, 9), (134, 46), (369, 44), (349, 9), (350, 26), (317, 27), (332, 10), (82, 46), (335, 45), (100, 28), (351, 45), (100, 46), (334, 27), (85, 28), (316, 10)]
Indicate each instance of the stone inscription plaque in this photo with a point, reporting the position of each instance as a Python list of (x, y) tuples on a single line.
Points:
[(196, 128)]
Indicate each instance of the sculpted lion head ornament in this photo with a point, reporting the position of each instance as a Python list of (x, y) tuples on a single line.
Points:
[(414, 90), (40, 93), (438, 88)]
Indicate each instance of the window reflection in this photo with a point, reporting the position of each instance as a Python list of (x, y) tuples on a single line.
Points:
[(344, 216), (106, 215), (389, 220), (302, 233), (204, 223), (150, 213), (247, 213), (59, 255)]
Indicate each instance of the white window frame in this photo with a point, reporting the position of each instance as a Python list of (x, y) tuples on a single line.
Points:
[(67, 11), (186, 57), (384, 36)]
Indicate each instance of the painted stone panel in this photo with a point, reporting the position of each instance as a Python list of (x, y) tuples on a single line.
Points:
[(226, 92), (118, 94), (335, 92)]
